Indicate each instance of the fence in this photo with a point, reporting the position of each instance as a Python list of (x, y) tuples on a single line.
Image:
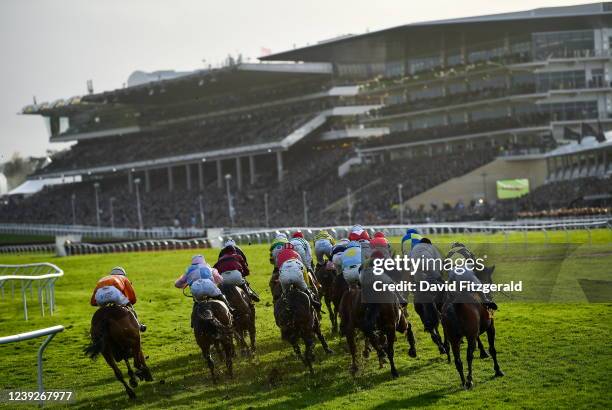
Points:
[(95, 232), (43, 274), (50, 332), (243, 236)]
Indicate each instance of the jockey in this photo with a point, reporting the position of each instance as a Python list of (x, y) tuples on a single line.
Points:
[(412, 237), (234, 269), (323, 243), (116, 288), (351, 261), (336, 253), (302, 247), (276, 247), (202, 281), (380, 243), (227, 248), (431, 268), (293, 272), (457, 274), (358, 233), (287, 252)]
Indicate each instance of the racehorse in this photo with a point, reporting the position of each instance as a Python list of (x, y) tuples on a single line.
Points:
[(297, 320), (115, 334), (469, 318), (243, 315), (213, 325), (378, 322), (326, 275)]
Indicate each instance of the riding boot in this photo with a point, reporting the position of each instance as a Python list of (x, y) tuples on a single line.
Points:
[(249, 291), (141, 326), (488, 302)]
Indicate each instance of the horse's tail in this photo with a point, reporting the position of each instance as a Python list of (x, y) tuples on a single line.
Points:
[(97, 340)]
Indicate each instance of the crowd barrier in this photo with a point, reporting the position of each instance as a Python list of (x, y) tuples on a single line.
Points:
[(50, 332), (44, 275), (259, 236)]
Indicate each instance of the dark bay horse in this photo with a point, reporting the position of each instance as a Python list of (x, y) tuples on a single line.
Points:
[(213, 325), (115, 334), (468, 319), (243, 315), (378, 322), (326, 275), (297, 319)]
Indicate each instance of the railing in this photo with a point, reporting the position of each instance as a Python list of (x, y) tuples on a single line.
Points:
[(266, 235), (50, 332), (43, 274), (100, 232)]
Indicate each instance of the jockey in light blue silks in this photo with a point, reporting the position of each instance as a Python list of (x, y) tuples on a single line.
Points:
[(411, 238)]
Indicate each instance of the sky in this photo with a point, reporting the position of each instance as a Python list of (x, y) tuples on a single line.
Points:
[(49, 49)]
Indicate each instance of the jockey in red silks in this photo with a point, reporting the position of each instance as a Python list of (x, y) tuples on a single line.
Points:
[(233, 268), (358, 233), (287, 252), (380, 243)]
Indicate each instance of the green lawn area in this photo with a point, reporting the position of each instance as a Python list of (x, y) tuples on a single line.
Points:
[(554, 354)]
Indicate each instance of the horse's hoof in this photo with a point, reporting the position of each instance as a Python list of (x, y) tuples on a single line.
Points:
[(394, 374), (499, 373), (484, 355), (412, 352), (469, 385)]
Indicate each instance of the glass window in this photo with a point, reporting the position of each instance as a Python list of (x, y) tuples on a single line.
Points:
[(563, 44)]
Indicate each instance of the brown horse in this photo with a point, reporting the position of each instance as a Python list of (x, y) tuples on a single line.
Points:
[(297, 320), (212, 325), (326, 276), (378, 322), (468, 320), (115, 334), (244, 317)]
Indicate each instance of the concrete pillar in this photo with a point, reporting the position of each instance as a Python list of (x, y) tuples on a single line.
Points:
[(238, 173), (279, 165), (252, 169), (188, 176), (147, 181), (170, 180), (200, 176), (219, 174)]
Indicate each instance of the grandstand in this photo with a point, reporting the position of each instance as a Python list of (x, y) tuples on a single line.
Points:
[(336, 127)]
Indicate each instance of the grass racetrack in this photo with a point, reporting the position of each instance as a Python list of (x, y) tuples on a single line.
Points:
[(554, 354)]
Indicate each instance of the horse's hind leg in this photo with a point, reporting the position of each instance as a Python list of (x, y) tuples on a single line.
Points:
[(309, 356), (142, 370), (411, 342), (491, 337), (209, 361), (483, 352), (456, 347), (133, 381), (332, 315), (470, 357), (350, 340), (322, 339), (390, 352), (252, 333), (227, 347), (111, 362)]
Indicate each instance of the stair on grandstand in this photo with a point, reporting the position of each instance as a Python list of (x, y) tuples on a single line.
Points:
[(471, 185)]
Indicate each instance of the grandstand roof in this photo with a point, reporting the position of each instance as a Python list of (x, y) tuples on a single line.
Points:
[(183, 86), (545, 19)]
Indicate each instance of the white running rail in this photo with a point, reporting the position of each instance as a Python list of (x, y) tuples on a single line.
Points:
[(42, 274), (50, 332)]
